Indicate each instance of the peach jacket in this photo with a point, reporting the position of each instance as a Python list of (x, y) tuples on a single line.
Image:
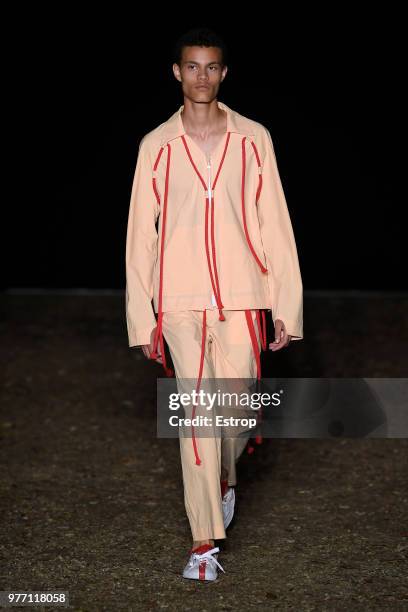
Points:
[(209, 233)]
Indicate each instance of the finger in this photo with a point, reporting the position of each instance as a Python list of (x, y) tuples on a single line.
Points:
[(279, 333), (277, 347), (278, 344)]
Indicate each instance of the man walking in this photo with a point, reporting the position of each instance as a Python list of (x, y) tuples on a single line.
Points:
[(223, 254)]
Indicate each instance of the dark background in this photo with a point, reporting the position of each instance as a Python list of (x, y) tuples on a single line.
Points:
[(85, 90)]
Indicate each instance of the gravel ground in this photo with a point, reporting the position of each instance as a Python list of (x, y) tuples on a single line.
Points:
[(92, 501)]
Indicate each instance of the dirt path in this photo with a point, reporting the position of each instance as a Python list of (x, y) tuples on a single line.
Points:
[(91, 500)]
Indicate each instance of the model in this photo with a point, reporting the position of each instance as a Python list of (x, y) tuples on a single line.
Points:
[(210, 241)]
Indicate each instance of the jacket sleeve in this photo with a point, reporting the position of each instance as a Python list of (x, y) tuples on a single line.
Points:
[(141, 251), (284, 277)]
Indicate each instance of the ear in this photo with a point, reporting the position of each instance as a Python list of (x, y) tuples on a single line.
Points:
[(176, 71)]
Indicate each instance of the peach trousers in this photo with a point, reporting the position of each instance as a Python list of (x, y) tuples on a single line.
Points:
[(225, 350)]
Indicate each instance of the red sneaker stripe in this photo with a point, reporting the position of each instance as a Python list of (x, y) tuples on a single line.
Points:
[(201, 570)]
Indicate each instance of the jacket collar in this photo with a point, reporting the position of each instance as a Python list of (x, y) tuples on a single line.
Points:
[(173, 127)]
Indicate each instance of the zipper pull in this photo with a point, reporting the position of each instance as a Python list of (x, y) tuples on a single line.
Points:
[(209, 190)]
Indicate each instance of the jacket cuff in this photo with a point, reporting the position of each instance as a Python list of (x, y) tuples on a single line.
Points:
[(140, 337)]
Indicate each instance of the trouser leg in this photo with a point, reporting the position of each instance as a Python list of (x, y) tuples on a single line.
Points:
[(228, 354), (233, 358), (202, 489)]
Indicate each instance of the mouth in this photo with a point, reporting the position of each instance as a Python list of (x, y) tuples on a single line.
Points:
[(202, 87)]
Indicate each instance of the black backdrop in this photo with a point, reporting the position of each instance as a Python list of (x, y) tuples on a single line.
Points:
[(83, 91)]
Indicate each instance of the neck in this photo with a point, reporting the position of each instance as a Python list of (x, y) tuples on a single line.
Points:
[(202, 119)]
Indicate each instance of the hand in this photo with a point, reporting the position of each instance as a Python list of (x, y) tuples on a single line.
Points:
[(282, 338), (148, 348)]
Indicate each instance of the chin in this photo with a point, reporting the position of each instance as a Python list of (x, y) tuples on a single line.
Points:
[(204, 95)]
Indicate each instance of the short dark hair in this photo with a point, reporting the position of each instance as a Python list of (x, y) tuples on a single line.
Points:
[(200, 37)]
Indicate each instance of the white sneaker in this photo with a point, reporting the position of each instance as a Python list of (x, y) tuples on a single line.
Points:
[(228, 505), (202, 564)]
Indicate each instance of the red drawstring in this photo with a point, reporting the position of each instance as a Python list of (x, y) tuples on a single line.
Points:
[(262, 334), (215, 285), (258, 438), (258, 191), (222, 317), (200, 372), (258, 261), (220, 306), (154, 175), (254, 340), (159, 333)]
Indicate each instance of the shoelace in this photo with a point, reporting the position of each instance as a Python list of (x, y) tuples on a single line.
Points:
[(206, 556)]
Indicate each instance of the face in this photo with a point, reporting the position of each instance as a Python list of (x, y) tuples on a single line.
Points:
[(200, 72)]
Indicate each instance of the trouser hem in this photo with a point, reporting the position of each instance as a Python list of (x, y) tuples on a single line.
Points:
[(215, 534)]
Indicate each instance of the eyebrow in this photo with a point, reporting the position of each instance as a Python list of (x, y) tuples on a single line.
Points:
[(193, 62)]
